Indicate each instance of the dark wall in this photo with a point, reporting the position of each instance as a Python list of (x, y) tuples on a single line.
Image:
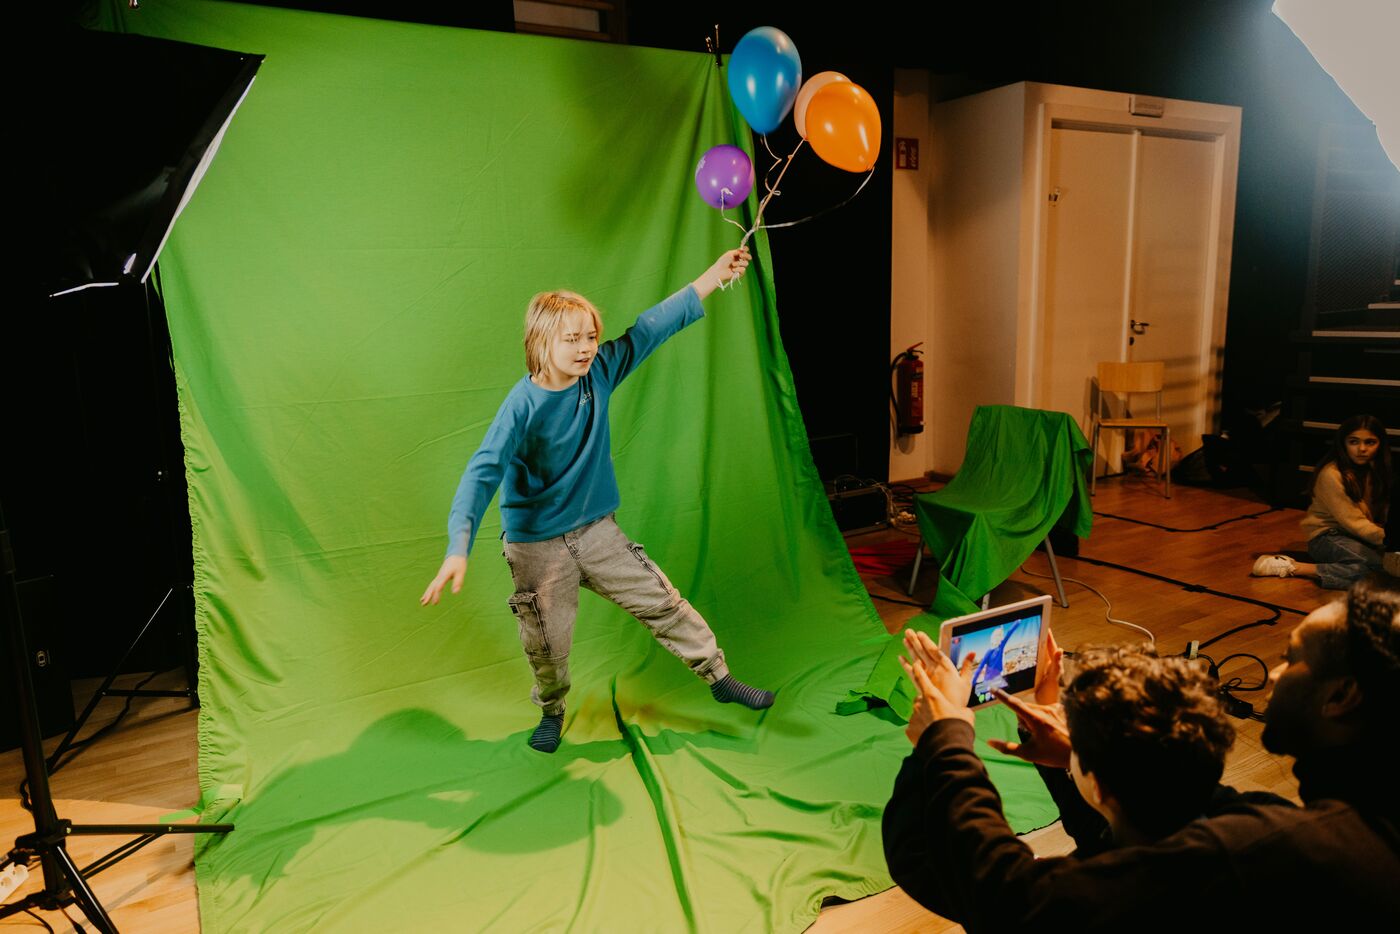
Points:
[(93, 481), (832, 276)]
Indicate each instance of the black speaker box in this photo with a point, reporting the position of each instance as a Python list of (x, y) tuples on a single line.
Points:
[(48, 664), (862, 509)]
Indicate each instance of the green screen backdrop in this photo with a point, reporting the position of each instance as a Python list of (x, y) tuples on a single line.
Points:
[(346, 293)]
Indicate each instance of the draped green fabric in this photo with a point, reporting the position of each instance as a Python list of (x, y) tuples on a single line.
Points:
[(346, 292), (1023, 474)]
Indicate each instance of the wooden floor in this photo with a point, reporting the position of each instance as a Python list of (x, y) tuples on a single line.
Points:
[(147, 767)]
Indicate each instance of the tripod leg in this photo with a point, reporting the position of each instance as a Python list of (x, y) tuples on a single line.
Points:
[(918, 563), (83, 895), (1055, 570), (106, 686)]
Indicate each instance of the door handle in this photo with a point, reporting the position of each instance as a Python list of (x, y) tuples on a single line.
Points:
[(1139, 327)]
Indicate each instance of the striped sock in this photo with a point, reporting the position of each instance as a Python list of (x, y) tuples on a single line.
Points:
[(546, 735), (729, 690)]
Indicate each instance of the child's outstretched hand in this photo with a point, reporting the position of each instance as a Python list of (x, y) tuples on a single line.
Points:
[(454, 569), (728, 268)]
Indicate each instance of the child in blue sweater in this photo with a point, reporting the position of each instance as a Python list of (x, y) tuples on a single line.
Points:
[(549, 451)]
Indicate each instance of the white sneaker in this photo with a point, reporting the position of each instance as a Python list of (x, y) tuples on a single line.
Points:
[(1274, 566)]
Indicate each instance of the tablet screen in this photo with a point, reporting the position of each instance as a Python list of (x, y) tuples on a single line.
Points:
[(1006, 644)]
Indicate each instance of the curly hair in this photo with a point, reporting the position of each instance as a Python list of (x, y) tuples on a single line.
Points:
[(1373, 644), (1150, 729)]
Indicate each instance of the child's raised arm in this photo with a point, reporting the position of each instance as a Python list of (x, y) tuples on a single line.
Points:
[(728, 268)]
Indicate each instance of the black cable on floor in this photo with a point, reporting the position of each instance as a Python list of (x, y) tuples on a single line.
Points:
[(1204, 528), (1278, 610), (1188, 587), (1230, 632)]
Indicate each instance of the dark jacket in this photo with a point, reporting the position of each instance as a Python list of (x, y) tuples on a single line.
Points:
[(1250, 862)]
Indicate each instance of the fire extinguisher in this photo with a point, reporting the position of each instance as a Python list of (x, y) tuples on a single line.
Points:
[(907, 394)]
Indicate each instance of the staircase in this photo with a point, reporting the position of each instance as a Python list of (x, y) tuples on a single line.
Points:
[(1348, 346)]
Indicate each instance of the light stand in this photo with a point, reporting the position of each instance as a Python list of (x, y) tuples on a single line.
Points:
[(190, 662), (64, 883), (128, 126)]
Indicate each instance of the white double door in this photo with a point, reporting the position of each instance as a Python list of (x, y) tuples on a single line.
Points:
[(1130, 250)]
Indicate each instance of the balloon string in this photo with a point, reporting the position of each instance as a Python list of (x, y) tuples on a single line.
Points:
[(723, 207), (768, 176), (725, 283), (777, 159), (836, 207), (772, 190)]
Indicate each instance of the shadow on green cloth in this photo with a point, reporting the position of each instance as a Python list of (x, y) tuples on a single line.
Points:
[(414, 766)]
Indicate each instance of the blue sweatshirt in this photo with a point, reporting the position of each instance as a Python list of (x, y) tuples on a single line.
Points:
[(552, 448)]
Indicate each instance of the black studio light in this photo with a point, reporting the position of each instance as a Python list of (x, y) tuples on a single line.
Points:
[(127, 127)]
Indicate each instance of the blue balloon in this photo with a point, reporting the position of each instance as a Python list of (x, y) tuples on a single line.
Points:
[(765, 74)]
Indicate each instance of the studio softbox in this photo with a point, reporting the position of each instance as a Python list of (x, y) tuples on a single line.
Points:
[(127, 127)]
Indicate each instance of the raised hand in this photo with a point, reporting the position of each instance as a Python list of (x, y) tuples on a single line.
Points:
[(931, 704), (728, 268), (955, 683), (1048, 669)]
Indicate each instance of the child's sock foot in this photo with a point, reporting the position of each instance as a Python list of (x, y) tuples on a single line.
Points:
[(729, 690), (546, 735)]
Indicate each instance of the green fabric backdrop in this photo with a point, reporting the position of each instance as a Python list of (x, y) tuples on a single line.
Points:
[(346, 293)]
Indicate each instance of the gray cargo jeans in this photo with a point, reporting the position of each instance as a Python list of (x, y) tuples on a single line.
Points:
[(600, 557)]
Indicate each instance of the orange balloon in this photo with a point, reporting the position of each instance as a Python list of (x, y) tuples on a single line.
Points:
[(843, 126)]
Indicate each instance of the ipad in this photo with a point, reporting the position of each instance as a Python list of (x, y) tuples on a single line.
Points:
[(1008, 641)]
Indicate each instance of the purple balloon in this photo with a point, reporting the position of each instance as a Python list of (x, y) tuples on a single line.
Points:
[(724, 176)]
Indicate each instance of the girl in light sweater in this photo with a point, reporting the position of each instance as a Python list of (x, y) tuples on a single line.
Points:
[(1345, 521)]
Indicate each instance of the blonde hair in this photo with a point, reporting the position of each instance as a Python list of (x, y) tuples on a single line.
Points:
[(542, 318)]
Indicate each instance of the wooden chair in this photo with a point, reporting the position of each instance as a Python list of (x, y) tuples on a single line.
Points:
[(1128, 379)]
